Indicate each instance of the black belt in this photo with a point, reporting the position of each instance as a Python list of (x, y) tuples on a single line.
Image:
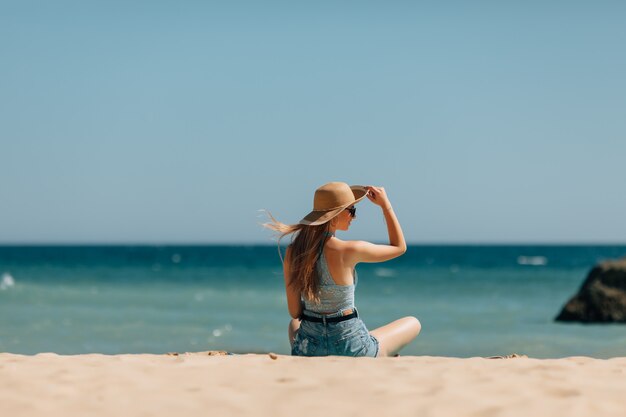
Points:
[(330, 319)]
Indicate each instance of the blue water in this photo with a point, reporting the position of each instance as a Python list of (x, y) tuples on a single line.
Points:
[(471, 300)]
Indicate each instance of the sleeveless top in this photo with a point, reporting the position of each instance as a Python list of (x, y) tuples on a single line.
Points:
[(333, 297)]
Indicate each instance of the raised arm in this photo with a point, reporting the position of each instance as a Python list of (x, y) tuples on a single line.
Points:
[(360, 251)]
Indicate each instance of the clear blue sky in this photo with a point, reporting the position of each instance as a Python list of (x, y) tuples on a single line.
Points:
[(157, 122)]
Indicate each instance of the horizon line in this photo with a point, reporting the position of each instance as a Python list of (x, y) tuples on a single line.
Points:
[(253, 243)]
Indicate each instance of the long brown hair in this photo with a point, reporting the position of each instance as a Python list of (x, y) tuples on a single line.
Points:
[(305, 251)]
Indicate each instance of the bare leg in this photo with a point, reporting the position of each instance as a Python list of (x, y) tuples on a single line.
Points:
[(294, 325), (394, 336)]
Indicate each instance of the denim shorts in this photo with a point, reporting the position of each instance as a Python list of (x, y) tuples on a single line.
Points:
[(344, 338)]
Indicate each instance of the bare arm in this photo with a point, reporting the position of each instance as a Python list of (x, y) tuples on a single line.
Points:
[(293, 297), (360, 251)]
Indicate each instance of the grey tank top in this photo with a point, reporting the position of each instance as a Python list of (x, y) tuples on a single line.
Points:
[(333, 297)]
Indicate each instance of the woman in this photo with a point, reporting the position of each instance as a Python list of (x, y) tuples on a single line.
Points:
[(320, 277)]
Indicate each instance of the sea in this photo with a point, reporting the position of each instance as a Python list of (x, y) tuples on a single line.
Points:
[(472, 300)]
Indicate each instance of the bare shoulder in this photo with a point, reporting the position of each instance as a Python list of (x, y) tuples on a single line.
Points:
[(340, 245), (353, 245), (350, 249)]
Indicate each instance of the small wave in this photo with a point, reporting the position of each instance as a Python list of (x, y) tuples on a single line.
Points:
[(532, 260), (384, 272), (6, 282), (221, 330)]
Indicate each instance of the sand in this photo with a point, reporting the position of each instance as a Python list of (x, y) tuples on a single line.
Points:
[(258, 385)]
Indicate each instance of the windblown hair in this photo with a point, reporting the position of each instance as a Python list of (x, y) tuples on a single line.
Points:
[(305, 251)]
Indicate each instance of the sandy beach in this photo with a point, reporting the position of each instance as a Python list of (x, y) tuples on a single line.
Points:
[(201, 384)]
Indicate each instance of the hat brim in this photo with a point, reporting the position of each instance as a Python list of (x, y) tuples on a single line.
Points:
[(317, 217)]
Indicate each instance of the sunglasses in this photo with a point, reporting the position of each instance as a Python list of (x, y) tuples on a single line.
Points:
[(352, 211)]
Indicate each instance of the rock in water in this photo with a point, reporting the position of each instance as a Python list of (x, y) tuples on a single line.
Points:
[(602, 297)]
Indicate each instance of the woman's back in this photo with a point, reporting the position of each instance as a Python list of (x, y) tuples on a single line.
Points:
[(334, 296), (341, 272)]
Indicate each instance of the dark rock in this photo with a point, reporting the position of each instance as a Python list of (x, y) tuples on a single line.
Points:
[(602, 297)]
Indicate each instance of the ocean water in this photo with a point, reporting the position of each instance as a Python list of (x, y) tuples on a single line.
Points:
[(471, 300)]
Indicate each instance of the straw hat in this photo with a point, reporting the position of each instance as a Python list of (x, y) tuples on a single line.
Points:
[(331, 199)]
